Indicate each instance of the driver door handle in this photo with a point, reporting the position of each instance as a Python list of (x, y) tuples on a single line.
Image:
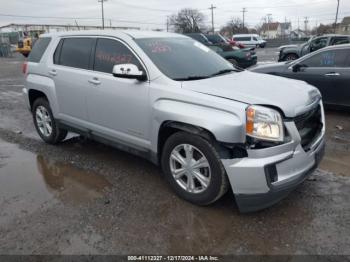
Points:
[(332, 74), (53, 72), (94, 81)]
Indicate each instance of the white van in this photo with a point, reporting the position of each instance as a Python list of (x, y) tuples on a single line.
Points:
[(250, 40)]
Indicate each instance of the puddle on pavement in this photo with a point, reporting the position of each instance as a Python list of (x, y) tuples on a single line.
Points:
[(337, 157), (29, 181), (337, 162)]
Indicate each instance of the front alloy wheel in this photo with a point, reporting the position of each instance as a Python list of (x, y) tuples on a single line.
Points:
[(193, 168), (190, 168)]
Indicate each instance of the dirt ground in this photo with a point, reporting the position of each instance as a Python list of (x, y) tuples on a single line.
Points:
[(86, 198)]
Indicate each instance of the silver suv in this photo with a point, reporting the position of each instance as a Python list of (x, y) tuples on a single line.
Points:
[(172, 100)]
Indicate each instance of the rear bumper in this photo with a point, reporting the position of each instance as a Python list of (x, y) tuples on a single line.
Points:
[(268, 175), (248, 63), (26, 98)]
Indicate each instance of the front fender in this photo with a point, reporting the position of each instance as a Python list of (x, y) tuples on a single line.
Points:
[(226, 126)]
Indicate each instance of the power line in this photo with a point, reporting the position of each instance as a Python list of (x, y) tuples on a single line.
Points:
[(76, 18)]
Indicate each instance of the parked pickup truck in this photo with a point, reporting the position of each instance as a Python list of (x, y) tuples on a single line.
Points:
[(294, 52), (174, 101)]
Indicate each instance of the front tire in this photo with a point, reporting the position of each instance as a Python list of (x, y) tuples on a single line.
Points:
[(45, 123), (193, 168), (290, 57), (233, 61)]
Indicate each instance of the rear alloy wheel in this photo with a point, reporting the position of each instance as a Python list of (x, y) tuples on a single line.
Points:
[(290, 57), (43, 120), (193, 168), (45, 123)]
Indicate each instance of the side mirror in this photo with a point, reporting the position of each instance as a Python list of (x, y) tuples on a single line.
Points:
[(130, 71), (298, 67)]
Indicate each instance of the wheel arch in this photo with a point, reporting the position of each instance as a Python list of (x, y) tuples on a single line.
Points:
[(38, 85), (169, 128), (33, 95)]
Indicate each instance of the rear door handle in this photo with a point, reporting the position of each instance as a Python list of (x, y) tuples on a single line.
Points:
[(94, 81), (332, 74), (53, 72)]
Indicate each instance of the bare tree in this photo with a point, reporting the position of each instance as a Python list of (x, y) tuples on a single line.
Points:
[(234, 26), (323, 29), (188, 21)]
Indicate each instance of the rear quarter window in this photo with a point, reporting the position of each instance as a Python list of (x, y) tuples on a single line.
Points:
[(39, 49)]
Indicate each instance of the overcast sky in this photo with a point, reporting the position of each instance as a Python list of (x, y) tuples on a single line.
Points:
[(151, 14)]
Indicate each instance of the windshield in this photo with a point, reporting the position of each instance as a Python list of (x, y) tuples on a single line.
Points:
[(183, 58), (215, 39)]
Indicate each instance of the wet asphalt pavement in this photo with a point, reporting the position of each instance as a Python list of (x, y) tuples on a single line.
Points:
[(82, 197)]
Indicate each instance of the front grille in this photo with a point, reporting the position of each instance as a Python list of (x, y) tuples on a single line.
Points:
[(309, 126)]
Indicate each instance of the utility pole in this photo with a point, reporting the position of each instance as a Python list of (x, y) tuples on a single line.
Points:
[(244, 10), (306, 21), (103, 15), (268, 25), (167, 23), (316, 28), (212, 17), (336, 18)]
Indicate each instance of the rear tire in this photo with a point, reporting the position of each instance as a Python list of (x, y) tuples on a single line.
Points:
[(193, 168), (45, 124)]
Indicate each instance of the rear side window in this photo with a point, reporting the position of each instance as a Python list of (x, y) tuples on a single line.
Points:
[(329, 58), (111, 52), (242, 39), (39, 49), (340, 40), (74, 52)]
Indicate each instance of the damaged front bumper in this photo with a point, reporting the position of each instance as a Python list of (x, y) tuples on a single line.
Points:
[(270, 174)]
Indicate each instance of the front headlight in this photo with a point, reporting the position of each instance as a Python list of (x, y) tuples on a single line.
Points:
[(264, 123)]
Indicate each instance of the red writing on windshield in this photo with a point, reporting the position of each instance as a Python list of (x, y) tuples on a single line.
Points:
[(159, 47)]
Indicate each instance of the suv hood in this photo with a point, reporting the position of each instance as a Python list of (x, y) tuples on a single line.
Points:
[(291, 96), (287, 46)]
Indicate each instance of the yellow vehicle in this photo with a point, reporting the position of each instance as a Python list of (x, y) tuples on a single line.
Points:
[(25, 46)]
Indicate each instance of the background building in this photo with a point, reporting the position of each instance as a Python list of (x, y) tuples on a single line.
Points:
[(344, 27)]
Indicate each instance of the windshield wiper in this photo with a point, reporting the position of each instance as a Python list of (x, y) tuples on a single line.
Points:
[(225, 71), (189, 78)]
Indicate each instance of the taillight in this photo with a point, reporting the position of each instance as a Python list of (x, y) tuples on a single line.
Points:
[(24, 68)]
